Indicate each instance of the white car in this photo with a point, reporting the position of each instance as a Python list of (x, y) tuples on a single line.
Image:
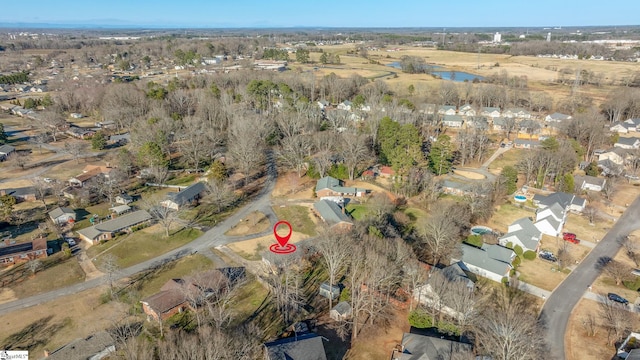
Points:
[(70, 241)]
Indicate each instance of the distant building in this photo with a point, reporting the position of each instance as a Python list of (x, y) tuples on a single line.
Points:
[(497, 37)]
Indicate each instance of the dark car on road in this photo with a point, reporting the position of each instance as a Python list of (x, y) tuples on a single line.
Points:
[(617, 298)]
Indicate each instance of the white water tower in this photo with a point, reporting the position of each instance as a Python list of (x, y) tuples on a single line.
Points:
[(548, 37), (497, 37)]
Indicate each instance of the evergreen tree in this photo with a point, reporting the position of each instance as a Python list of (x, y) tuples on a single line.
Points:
[(441, 155), (3, 135), (510, 175), (98, 141)]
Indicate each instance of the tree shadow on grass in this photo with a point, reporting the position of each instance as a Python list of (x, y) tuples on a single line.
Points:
[(38, 333)]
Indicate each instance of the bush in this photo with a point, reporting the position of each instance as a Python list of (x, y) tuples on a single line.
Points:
[(518, 250), (345, 295), (529, 255), (475, 240), (516, 262), (509, 245), (420, 319), (448, 328), (339, 172), (505, 280)]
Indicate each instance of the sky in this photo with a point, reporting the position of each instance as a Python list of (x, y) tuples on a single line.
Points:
[(327, 13)]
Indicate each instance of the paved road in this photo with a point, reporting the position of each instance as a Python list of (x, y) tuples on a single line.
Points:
[(558, 307), (213, 237)]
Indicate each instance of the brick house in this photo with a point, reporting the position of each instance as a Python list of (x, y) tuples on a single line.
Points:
[(17, 253)]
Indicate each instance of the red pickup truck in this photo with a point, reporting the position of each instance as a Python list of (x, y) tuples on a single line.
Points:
[(570, 238)]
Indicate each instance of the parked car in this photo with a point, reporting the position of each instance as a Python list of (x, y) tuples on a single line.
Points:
[(547, 255), (70, 241), (617, 298), (570, 237)]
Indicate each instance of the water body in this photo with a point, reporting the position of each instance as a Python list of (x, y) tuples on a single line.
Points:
[(457, 76)]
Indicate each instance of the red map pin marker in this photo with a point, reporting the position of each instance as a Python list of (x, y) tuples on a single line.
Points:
[(283, 246)]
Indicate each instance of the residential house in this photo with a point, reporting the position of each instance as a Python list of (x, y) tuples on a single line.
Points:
[(568, 202), (617, 155), (386, 172), (491, 112), (345, 105), (76, 115), (330, 186), (425, 294), (120, 139), (5, 151), (79, 133), (499, 124), (518, 113), (119, 210), (633, 124), (467, 110), (27, 193), (478, 122), (124, 199), (627, 352), (609, 167), (307, 346), (589, 182), (342, 311), (15, 253), (529, 126), (489, 261), (329, 291), (453, 121), (525, 144), (551, 219), (178, 295), (332, 214), (620, 127), (108, 229), (94, 347), (447, 110), (109, 124), (62, 215), (628, 143), (523, 233), (421, 347), (455, 188), (88, 173), (323, 104), (557, 118), (184, 197)]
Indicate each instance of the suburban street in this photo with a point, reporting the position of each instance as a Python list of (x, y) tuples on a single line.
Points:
[(558, 307), (213, 237)]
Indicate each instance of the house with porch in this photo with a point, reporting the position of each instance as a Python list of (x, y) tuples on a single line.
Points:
[(557, 118), (108, 229), (491, 112), (447, 110), (591, 183), (453, 121)]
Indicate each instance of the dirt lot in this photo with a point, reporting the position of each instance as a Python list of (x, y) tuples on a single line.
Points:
[(252, 249), (469, 174), (578, 345), (292, 186), (254, 223)]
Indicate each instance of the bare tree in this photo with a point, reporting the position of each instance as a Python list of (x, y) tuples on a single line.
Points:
[(165, 216), (439, 236), (246, 143), (294, 152), (34, 265), (615, 319), (618, 271), (508, 328), (111, 268), (75, 149), (631, 249), (591, 213), (193, 141), (41, 190), (220, 195), (565, 258), (335, 250), (19, 159), (590, 323), (354, 151)]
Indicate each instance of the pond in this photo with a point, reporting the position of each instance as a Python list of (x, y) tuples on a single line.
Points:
[(439, 71)]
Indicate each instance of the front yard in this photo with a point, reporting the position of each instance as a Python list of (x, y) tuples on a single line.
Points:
[(298, 216)]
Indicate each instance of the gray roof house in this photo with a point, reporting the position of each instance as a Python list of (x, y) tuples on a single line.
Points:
[(106, 230), (62, 215), (184, 197), (447, 110), (523, 233), (557, 117), (499, 123), (550, 220), (590, 182), (341, 311), (492, 112), (6, 150), (300, 347), (454, 121), (332, 213), (489, 261), (94, 347), (330, 186), (565, 200), (420, 347), (628, 143)]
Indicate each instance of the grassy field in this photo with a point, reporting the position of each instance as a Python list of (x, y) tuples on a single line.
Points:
[(144, 245), (507, 214), (357, 211), (177, 269), (254, 223), (510, 157), (298, 216)]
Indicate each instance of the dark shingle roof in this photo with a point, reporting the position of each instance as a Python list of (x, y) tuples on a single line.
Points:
[(420, 347), (187, 194), (81, 349), (301, 347), (331, 212)]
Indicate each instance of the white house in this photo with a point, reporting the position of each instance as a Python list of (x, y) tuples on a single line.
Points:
[(619, 127), (615, 155), (62, 215), (345, 105), (517, 113), (628, 143), (557, 117), (492, 112), (633, 124), (467, 110), (550, 220), (447, 110), (453, 121), (590, 183)]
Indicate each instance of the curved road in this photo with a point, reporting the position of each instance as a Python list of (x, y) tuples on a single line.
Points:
[(213, 237), (557, 309)]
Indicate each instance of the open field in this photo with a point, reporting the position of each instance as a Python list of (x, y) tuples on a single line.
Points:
[(505, 215), (510, 157), (299, 217), (145, 244), (254, 223)]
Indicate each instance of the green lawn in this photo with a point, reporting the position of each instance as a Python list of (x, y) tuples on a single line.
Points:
[(177, 269), (83, 215), (357, 211), (299, 218), (142, 245), (415, 213), (510, 157), (182, 180)]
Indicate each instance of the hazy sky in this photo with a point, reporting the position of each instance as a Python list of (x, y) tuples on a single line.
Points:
[(327, 13)]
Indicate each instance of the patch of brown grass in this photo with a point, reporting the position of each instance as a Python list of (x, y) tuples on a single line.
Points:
[(578, 345), (254, 223)]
